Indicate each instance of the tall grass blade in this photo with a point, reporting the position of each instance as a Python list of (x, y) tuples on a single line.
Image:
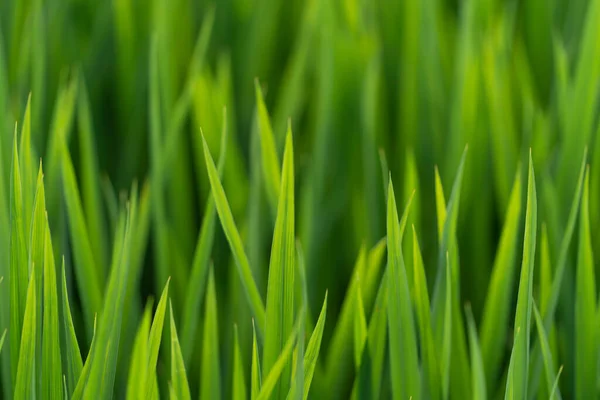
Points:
[(73, 361), (235, 242), (255, 375), (154, 339), (25, 382), (200, 264), (586, 332), (498, 301), (269, 156), (210, 379), (403, 346), (52, 381), (239, 384), (90, 278), (477, 366), (517, 379), (551, 377)]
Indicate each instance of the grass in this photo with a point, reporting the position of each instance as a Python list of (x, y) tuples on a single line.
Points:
[(304, 199)]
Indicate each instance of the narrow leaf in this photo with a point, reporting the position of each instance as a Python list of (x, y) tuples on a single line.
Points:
[(403, 345), (282, 269)]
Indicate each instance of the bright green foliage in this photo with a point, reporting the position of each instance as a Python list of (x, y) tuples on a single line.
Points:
[(127, 258)]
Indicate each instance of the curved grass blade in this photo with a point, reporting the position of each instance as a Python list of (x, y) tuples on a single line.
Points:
[(517, 379), (554, 391), (179, 383), (313, 348), (197, 280), (239, 385), (586, 333), (269, 156), (25, 382), (235, 241), (210, 380), (478, 373), (74, 364), (403, 346), (551, 377), (498, 302), (52, 382), (90, 279), (155, 337)]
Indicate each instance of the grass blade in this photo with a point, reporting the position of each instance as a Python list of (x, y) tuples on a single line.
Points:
[(73, 361), (551, 377), (239, 385), (102, 370), (282, 269), (269, 156), (25, 383), (19, 274), (90, 278), (196, 285), (154, 339), (498, 301), (179, 383), (403, 345), (586, 349), (270, 381), (430, 366), (90, 179), (559, 272), (360, 327), (255, 377), (313, 348), (136, 380), (478, 373), (517, 380), (52, 382), (210, 380), (368, 384), (235, 241)]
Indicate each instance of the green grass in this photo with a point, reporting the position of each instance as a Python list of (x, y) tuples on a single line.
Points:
[(133, 264)]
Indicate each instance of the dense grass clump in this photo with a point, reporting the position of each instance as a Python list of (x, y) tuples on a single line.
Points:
[(273, 199)]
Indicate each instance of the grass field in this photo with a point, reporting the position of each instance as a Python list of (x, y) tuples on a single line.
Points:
[(272, 199)]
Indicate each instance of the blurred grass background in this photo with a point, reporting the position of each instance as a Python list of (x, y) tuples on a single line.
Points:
[(366, 85)]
